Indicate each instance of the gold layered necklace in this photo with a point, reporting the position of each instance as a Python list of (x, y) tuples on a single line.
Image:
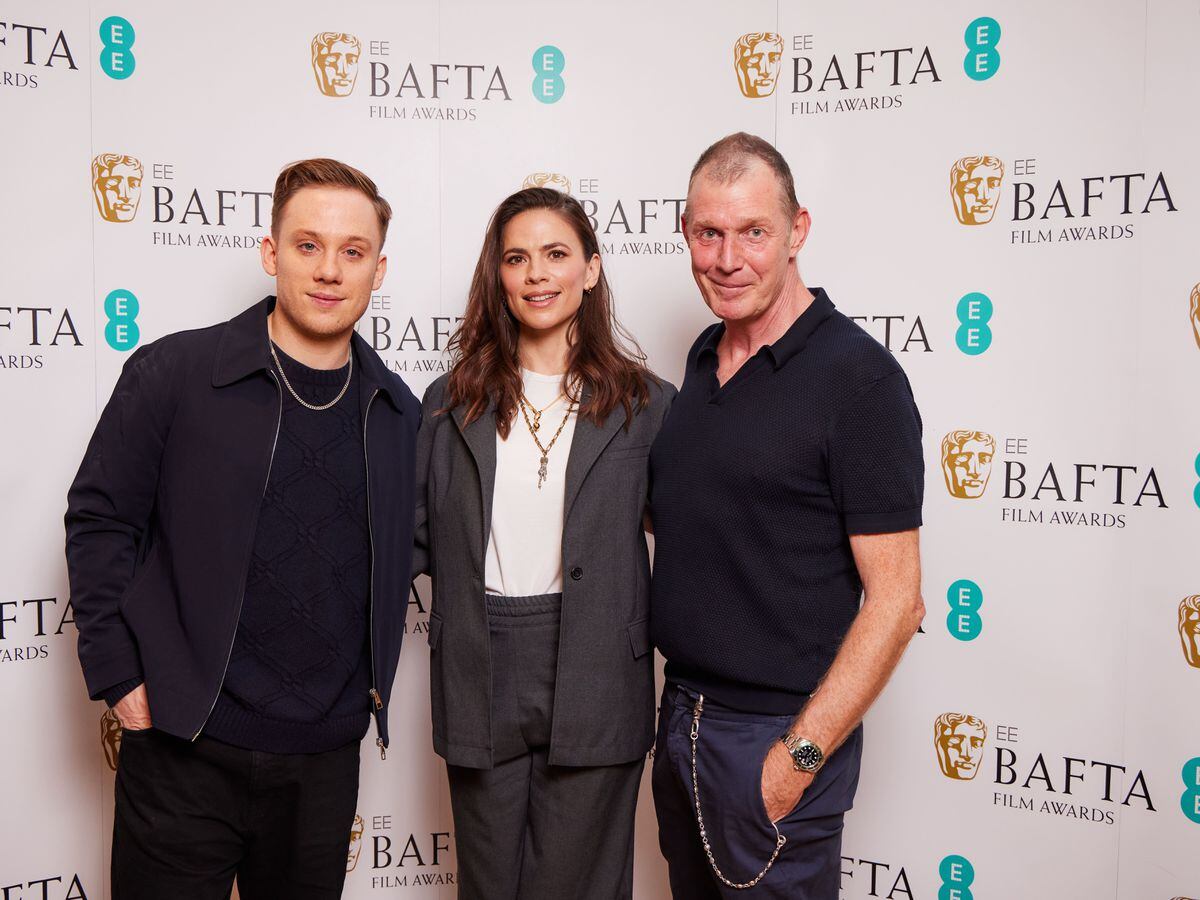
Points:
[(537, 413), (535, 423)]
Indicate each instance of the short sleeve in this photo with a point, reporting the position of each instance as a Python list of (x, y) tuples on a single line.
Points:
[(876, 466)]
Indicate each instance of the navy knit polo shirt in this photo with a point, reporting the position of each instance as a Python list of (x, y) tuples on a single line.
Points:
[(756, 487)]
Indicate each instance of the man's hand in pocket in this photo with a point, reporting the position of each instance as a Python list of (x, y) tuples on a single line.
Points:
[(134, 709)]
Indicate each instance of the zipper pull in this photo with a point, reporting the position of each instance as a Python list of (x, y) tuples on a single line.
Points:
[(378, 706)]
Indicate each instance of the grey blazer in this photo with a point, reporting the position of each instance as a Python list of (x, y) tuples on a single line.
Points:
[(604, 693)]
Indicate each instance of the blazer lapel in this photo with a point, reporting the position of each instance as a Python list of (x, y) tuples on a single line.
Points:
[(480, 436), (586, 446)]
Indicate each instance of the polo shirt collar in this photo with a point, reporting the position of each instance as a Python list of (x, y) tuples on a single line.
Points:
[(792, 341)]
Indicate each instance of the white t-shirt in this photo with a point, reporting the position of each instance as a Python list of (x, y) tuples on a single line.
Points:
[(524, 552)]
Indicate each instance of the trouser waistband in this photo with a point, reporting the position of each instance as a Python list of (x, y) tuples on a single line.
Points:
[(507, 608)]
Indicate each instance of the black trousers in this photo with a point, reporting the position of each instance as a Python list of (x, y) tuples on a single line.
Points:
[(524, 829), (730, 748), (192, 816)]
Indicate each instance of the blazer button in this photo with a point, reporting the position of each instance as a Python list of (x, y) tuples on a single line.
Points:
[(576, 573)]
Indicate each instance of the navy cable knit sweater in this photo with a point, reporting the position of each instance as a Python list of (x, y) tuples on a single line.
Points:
[(299, 672)]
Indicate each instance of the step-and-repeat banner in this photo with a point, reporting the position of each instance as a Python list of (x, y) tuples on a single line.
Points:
[(1006, 196)]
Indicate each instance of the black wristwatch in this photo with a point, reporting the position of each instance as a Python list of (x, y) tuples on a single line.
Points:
[(806, 756)]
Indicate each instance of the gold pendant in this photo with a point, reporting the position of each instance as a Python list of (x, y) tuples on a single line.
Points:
[(542, 472)]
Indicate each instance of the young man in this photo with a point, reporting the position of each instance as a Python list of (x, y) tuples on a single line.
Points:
[(787, 479), (238, 542)]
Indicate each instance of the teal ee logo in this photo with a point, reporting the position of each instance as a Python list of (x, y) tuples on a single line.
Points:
[(117, 36), (957, 875), (1196, 492), (964, 621), (982, 60), (974, 335), (548, 63), (121, 308), (1190, 801)]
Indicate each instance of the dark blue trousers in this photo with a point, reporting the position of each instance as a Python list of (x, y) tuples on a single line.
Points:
[(730, 750)]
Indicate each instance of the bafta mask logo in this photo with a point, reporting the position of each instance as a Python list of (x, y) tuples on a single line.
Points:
[(548, 180), (335, 62), (110, 738), (967, 463), (117, 186), (756, 59), (958, 739), (975, 188), (1189, 629), (356, 843), (1195, 313)]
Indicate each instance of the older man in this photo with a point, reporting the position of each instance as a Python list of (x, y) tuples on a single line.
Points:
[(787, 479)]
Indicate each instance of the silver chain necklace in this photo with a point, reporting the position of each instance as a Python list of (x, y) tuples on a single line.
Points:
[(301, 400)]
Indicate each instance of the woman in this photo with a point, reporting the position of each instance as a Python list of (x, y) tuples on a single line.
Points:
[(532, 484)]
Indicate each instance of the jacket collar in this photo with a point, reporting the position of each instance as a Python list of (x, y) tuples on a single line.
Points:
[(245, 350)]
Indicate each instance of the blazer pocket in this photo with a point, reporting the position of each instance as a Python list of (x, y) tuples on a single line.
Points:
[(640, 452), (639, 638), (435, 630)]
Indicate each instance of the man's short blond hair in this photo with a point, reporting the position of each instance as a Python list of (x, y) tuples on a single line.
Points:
[(326, 173)]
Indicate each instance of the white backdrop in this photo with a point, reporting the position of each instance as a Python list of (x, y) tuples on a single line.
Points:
[(1076, 661)]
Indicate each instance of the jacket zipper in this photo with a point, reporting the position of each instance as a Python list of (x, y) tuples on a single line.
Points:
[(242, 598), (376, 700)]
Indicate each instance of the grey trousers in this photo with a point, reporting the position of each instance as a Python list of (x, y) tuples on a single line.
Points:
[(524, 829)]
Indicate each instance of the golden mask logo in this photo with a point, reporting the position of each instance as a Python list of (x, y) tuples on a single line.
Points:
[(548, 180), (356, 840), (1189, 629), (967, 463), (116, 186), (1194, 313), (110, 738), (335, 62), (756, 59), (958, 739), (975, 188)]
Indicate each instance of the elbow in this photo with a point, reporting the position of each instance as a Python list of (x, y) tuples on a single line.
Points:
[(916, 615)]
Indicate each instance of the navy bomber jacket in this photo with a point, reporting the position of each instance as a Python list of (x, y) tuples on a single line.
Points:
[(162, 515)]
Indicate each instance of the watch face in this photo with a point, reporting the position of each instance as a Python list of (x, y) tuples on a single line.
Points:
[(807, 755)]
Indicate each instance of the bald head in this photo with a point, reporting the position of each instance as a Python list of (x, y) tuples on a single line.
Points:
[(734, 155)]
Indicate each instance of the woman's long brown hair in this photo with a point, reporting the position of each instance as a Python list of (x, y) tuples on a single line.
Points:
[(485, 366)]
